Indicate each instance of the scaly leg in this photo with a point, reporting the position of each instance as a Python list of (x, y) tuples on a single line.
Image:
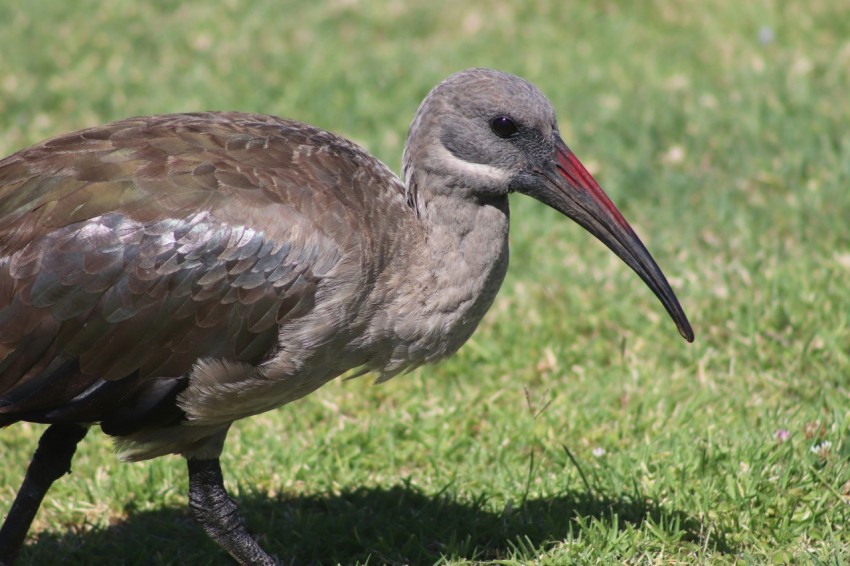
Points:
[(51, 461), (219, 514)]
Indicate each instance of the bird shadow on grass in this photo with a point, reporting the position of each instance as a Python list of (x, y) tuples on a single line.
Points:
[(396, 525)]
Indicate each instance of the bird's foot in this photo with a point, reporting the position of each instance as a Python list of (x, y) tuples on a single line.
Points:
[(219, 514)]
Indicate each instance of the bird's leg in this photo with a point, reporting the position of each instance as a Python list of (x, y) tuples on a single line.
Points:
[(52, 460), (219, 514)]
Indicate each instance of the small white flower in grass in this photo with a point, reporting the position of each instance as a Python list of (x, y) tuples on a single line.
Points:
[(598, 452), (674, 154), (822, 449)]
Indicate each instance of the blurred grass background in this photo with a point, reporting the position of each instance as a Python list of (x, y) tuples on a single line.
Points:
[(720, 129)]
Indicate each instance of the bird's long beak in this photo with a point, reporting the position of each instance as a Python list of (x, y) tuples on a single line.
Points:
[(572, 191)]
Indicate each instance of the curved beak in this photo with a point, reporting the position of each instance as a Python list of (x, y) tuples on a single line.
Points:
[(572, 191)]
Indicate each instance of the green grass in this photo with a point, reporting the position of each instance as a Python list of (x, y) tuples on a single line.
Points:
[(576, 426)]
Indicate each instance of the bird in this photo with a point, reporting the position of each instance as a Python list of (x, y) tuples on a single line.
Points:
[(164, 276)]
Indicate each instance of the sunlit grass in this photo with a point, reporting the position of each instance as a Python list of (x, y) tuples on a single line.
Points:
[(576, 426)]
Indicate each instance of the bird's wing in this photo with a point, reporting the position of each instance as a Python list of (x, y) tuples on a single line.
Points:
[(128, 252)]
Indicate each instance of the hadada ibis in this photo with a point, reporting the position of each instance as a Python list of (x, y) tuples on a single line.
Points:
[(164, 276)]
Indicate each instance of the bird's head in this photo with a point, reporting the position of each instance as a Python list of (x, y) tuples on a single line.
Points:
[(487, 134)]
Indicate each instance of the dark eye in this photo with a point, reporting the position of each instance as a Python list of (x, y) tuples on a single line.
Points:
[(503, 126)]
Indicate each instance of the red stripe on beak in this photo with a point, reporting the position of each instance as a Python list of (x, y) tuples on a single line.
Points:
[(580, 178)]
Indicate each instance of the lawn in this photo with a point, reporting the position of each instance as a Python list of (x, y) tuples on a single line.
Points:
[(576, 426)]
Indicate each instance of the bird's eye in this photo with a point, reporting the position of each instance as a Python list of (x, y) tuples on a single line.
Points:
[(503, 126)]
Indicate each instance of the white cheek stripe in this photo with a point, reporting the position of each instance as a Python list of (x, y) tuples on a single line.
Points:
[(475, 170)]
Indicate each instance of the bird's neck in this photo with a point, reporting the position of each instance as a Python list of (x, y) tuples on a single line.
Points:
[(468, 255), (450, 280), (464, 235)]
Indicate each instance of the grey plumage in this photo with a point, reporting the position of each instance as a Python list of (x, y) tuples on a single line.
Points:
[(164, 276)]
